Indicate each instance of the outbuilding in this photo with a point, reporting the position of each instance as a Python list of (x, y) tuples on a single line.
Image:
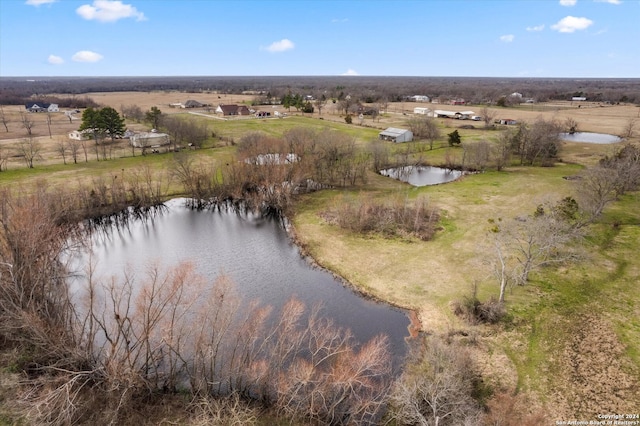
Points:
[(422, 111), (396, 135), (149, 139)]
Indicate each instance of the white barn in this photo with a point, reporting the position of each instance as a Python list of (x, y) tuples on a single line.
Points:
[(396, 135), (149, 139), (422, 111)]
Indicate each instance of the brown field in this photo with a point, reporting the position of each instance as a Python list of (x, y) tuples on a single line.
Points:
[(591, 117)]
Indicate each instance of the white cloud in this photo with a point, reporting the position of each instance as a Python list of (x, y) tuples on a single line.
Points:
[(109, 11), (55, 60), (609, 1), (568, 2), (39, 2), (507, 38), (536, 28), (350, 72), (570, 24), (86, 56), (280, 46)]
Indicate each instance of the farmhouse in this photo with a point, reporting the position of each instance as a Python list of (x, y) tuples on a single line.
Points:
[(420, 98), (149, 139), (41, 107), (227, 110), (396, 135)]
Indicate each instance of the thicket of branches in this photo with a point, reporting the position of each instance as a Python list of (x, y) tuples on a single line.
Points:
[(269, 172), (397, 216), (116, 344)]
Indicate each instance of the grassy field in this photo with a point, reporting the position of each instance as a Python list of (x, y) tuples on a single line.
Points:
[(572, 337)]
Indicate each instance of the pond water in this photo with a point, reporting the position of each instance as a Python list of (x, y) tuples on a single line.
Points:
[(422, 175), (599, 138), (256, 253)]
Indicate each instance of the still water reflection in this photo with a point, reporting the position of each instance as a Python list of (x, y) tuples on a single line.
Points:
[(256, 253), (600, 138), (422, 175)]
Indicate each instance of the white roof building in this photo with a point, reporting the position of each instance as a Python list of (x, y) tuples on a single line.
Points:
[(422, 110), (148, 139), (396, 135)]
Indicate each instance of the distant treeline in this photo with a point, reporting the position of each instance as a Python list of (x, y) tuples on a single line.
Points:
[(18, 97), (477, 90)]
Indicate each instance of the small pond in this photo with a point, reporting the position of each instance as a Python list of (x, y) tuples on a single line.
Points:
[(256, 253), (588, 137), (422, 175)]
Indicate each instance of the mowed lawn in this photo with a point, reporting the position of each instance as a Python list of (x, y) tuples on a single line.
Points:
[(427, 276)]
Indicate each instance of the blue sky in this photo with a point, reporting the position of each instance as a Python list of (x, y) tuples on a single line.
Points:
[(476, 38)]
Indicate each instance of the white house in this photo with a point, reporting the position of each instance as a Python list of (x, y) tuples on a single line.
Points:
[(396, 135), (149, 139), (80, 135), (422, 111), (420, 98)]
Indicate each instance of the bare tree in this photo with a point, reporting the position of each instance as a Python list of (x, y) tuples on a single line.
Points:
[(477, 154), (319, 103), (29, 150), (4, 119), (628, 132), (528, 243), (49, 119), (501, 151), (62, 149), (73, 147), (425, 128), (27, 123), (487, 116), (4, 157), (571, 125), (436, 388)]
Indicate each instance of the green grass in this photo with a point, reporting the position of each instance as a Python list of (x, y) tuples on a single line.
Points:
[(427, 276)]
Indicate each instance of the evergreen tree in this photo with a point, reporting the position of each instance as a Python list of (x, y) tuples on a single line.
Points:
[(111, 122)]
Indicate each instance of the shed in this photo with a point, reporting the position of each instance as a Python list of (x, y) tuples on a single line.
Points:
[(396, 135), (193, 104), (441, 113), (422, 111)]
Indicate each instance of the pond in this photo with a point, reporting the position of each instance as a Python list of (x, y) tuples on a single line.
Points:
[(256, 253), (422, 175), (588, 137)]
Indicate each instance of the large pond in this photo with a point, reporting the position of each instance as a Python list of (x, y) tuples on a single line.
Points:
[(588, 137), (256, 253), (422, 175)]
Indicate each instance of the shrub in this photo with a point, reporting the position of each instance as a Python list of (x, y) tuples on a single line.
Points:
[(395, 217)]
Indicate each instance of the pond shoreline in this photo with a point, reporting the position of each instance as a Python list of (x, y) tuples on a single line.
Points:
[(415, 324)]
